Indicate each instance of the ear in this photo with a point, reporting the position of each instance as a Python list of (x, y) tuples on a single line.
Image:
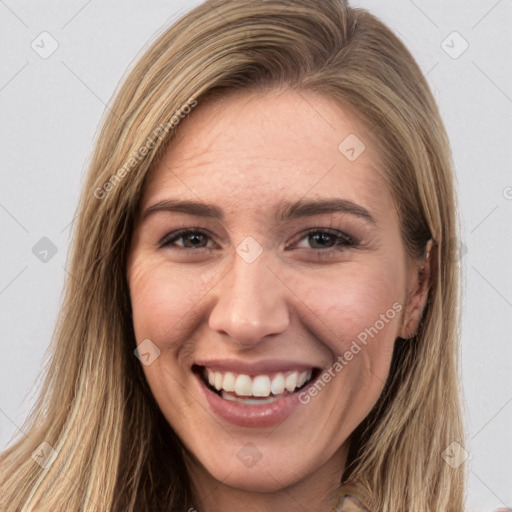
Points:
[(418, 285)]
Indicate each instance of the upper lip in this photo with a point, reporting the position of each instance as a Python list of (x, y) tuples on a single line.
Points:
[(254, 368)]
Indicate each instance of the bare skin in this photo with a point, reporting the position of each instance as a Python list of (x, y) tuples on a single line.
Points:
[(305, 298)]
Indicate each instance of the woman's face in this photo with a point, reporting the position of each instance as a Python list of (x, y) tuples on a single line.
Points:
[(295, 270)]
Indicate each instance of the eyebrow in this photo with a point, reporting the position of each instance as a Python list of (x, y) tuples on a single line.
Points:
[(285, 210)]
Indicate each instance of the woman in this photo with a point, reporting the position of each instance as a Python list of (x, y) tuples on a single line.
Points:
[(263, 302)]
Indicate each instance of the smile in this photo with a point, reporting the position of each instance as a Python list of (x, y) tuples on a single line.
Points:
[(258, 400), (232, 386)]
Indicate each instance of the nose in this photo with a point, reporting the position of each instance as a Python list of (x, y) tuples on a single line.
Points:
[(251, 303)]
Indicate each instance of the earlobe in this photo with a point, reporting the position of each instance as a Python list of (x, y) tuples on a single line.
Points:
[(419, 287)]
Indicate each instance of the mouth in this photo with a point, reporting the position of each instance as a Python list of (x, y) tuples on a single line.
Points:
[(255, 390)]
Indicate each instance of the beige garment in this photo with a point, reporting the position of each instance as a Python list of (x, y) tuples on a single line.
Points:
[(350, 503), (351, 498)]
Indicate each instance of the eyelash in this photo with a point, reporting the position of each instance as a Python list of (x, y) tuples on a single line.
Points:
[(342, 240)]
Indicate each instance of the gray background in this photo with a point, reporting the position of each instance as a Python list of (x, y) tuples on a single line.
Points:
[(50, 110)]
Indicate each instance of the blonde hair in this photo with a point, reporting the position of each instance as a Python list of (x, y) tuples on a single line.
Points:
[(114, 449)]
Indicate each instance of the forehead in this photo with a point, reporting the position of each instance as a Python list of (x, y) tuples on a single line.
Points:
[(251, 150)]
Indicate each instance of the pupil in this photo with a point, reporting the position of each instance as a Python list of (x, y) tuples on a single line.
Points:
[(324, 236), (195, 237)]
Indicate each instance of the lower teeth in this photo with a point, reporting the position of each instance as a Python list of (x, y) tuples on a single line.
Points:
[(248, 401)]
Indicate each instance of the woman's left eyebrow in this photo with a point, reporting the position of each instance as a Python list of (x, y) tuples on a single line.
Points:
[(284, 211), (307, 208)]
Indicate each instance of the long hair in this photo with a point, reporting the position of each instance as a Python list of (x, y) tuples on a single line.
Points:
[(110, 447)]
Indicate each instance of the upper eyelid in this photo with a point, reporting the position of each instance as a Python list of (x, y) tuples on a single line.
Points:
[(180, 233), (330, 231)]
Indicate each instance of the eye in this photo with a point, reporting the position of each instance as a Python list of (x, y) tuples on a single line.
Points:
[(328, 240), (192, 239)]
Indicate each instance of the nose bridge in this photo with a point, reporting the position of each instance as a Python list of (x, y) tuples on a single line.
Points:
[(251, 302)]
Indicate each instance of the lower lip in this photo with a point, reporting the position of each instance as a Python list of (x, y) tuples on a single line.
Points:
[(264, 415)]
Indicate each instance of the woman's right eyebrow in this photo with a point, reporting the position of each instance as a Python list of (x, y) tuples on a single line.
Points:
[(286, 210), (184, 206)]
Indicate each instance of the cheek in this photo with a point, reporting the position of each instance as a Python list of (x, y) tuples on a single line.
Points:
[(164, 298), (361, 310)]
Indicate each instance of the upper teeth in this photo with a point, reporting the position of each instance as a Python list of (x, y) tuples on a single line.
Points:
[(262, 385)]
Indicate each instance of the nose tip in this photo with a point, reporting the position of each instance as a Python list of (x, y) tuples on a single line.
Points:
[(246, 333), (250, 304)]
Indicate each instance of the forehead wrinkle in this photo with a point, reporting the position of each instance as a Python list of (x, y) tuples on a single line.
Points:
[(186, 160), (372, 188)]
